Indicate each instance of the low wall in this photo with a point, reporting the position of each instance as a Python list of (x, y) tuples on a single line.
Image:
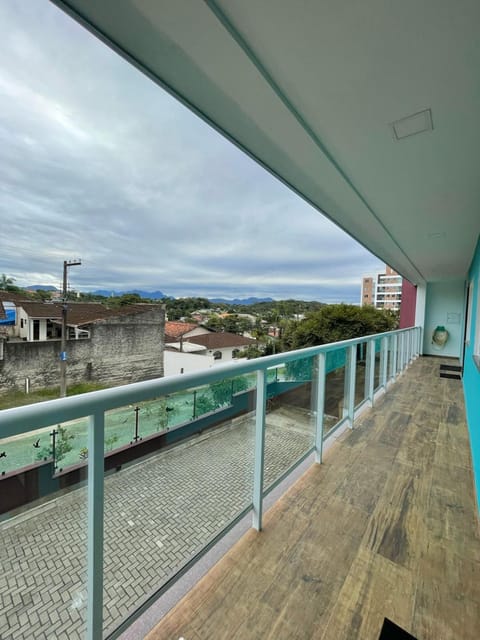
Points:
[(120, 350)]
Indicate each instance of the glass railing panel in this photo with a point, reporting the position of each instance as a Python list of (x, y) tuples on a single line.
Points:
[(360, 374), (187, 485), (219, 395), (334, 388), (43, 517), (61, 443), (289, 426), (24, 450), (377, 379), (130, 424), (401, 348), (404, 350), (387, 359)]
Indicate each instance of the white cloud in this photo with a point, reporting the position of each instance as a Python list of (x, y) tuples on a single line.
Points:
[(99, 162)]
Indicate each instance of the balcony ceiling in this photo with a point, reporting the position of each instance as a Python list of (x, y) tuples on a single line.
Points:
[(310, 89)]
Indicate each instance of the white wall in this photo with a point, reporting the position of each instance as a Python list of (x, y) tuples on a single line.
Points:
[(174, 361), (227, 353), (444, 305), (22, 332)]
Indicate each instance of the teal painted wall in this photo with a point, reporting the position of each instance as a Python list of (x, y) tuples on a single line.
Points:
[(471, 375), (445, 303)]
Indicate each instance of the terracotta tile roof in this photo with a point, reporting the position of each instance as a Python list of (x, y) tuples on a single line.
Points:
[(10, 296), (40, 309), (221, 340), (175, 330)]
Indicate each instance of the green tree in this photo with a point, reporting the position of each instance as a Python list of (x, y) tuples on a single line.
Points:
[(43, 295), (6, 284), (130, 298), (63, 445), (159, 414), (337, 322), (230, 324), (110, 441), (183, 307), (204, 403), (223, 391)]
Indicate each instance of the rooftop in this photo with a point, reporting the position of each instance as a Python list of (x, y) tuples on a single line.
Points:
[(221, 340), (175, 330), (79, 313)]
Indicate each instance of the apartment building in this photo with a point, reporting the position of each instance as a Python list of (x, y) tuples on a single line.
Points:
[(384, 291)]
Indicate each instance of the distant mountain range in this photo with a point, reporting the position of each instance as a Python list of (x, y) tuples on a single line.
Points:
[(41, 287), (153, 295), (245, 301)]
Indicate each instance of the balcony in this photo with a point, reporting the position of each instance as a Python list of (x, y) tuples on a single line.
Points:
[(386, 527), (87, 560)]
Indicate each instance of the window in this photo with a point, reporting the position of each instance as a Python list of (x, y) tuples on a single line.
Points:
[(217, 355), (235, 353)]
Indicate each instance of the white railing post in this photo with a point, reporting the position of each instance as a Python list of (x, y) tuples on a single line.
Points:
[(95, 493), (259, 455), (401, 348), (319, 403), (399, 353), (370, 372), (384, 363), (350, 374), (394, 356)]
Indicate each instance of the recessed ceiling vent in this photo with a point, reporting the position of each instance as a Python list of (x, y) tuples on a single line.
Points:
[(411, 125)]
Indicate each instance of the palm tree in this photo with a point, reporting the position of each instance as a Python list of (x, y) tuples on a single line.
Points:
[(6, 282)]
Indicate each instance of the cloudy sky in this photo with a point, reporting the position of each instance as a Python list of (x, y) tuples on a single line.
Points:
[(97, 162)]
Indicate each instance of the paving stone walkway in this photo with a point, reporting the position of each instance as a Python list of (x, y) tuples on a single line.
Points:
[(158, 514)]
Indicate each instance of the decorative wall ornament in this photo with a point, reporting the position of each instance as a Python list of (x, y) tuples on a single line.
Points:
[(440, 336)]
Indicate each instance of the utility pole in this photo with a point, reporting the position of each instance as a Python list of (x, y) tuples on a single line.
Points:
[(63, 348)]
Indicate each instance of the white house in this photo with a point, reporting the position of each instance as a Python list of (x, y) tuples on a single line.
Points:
[(222, 346)]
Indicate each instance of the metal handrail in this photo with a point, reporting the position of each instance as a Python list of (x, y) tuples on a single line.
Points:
[(26, 418)]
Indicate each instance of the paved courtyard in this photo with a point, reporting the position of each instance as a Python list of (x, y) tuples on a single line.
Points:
[(158, 513)]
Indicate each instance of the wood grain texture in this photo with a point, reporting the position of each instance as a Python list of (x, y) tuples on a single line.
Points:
[(386, 527), (375, 588)]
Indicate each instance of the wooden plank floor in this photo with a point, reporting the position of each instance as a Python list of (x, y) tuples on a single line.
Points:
[(386, 527)]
